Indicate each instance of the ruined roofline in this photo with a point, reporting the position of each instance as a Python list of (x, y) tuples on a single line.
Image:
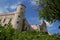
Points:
[(22, 5), (5, 14)]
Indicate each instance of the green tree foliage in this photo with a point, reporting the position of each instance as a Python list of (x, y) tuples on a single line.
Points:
[(9, 33), (2, 32), (50, 10)]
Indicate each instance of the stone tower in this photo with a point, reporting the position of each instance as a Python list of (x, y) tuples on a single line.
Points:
[(21, 10), (43, 27), (20, 15)]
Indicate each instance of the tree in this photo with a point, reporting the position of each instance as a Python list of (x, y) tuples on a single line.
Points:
[(50, 10), (14, 34), (9, 32), (2, 32), (25, 35)]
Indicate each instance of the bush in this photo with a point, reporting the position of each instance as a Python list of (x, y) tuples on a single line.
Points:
[(13, 34)]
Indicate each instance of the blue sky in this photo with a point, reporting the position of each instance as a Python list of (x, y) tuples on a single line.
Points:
[(30, 14)]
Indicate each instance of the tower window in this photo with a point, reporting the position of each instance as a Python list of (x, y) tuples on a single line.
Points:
[(19, 16), (5, 25), (21, 8), (10, 20), (17, 22), (26, 28)]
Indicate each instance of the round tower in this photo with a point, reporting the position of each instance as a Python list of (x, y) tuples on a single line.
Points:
[(19, 16), (43, 26), (21, 10)]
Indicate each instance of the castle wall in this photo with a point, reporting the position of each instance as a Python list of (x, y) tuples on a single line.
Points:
[(16, 18), (6, 18)]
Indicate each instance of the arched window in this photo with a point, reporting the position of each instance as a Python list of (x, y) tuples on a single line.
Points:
[(26, 28), (17, 22), (21, 8), (59, 27), (0, 20), (19, 16), (4, 20), (5, 25), (10, 20)]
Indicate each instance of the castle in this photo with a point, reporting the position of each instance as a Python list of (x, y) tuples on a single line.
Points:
[(16, 18)]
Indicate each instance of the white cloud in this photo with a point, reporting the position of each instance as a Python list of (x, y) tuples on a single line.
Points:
[(48, 24), (13, 6), (33, 2), (4, 7), (2, 10)]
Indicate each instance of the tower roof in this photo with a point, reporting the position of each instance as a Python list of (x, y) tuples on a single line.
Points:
[(6, 14), (22, 5)]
